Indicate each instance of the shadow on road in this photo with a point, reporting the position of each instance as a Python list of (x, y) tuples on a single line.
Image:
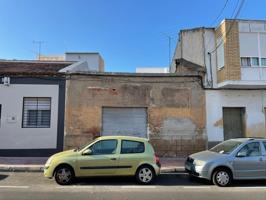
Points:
[(3, 176), (162, 180), (249, 183)]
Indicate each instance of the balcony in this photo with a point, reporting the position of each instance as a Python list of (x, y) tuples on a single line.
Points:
[(251, 78)]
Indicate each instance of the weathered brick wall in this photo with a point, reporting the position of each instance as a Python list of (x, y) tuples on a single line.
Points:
[(228, 30), (175, 106)]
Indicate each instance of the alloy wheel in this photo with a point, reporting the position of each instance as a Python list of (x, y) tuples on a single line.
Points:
[(145, 175)]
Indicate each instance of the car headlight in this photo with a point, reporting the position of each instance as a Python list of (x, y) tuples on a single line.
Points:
[(198, 165)]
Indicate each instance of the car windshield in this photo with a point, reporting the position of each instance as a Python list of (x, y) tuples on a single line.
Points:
[(83, 146), (226, 147)]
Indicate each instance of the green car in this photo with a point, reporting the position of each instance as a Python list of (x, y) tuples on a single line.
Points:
[(106, 156)]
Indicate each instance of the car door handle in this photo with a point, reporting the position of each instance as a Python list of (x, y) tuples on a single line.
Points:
[(113, 159)]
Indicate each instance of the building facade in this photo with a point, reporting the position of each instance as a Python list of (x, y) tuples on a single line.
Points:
[(233, 55), (32, 104), (167, 109)]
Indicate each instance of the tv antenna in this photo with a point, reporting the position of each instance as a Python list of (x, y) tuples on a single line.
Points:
[(39, 43)]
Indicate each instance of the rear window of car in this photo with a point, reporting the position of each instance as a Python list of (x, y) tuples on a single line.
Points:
[(129, 146)]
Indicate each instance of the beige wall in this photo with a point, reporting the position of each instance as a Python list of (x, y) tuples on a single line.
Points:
[(175, 106), (228, 31)]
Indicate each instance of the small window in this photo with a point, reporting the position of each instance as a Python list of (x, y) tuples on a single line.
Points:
[(104, 147), (255, 61), (263, 61), (36, 112), (132, 147), (245, 61), (264, 144), (250, 150)]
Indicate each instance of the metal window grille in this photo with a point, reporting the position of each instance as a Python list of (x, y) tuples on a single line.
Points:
[(36, 112)]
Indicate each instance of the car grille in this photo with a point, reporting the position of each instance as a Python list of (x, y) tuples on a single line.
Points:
[(190, 160)]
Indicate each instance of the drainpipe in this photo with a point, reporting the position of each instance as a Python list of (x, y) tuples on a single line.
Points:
[(210, 57)]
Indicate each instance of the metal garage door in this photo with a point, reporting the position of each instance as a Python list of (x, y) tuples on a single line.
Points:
[(125, 121)]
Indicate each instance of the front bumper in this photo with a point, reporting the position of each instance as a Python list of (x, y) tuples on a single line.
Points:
[(48, 172), (191, 169)]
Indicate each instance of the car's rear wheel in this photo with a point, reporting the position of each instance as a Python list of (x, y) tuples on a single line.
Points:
[(222, 177), (145, 175), (64, 175)]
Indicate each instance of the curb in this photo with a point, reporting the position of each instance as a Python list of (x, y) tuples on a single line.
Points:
[(15, 168), (173, 169)]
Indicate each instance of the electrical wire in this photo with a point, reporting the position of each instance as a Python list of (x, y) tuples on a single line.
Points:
[(237, 12), (220, 13)]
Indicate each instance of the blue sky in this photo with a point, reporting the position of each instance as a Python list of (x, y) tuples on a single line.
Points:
[(128, 33)]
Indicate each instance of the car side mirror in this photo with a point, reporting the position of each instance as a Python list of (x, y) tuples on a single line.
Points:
[(241, 154), (87, 152)]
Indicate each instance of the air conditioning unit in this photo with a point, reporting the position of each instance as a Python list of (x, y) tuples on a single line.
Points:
[(6, 81)]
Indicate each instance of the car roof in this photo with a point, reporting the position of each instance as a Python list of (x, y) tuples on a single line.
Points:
[(121, 137), (249, 139)]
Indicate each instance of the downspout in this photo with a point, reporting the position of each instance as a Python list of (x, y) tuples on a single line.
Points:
[(181, 46), (210, 57), (204, 54)]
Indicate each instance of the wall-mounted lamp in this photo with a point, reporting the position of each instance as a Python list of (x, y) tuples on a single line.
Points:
[(6, 81)]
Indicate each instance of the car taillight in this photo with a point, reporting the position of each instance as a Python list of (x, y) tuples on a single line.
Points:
[(157, 160)]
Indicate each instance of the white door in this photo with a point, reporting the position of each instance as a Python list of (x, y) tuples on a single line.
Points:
[(124, 121)]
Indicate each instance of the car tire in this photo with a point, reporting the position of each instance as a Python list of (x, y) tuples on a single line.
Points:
[(64, 175), (222, 177), (145, 175)]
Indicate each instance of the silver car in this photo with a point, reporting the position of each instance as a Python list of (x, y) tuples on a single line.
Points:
[(242, 158)]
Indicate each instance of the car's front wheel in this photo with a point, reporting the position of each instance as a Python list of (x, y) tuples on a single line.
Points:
[(64, 175), (145, 175), (222, 177)]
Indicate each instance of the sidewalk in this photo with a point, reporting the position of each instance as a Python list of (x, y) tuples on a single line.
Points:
[(35, 164)]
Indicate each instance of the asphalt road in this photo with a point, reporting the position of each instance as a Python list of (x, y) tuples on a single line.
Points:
[(168, 186)]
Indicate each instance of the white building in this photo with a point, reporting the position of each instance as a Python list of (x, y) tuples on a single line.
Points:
[(32, 103), (84, 61), (234, 58), (152, 70)]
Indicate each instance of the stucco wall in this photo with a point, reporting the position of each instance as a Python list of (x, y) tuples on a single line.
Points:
[(194, 45), (175, 106), (254, 102), (12, 135)]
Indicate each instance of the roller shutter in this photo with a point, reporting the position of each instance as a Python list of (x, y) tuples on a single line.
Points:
[(125, 121)]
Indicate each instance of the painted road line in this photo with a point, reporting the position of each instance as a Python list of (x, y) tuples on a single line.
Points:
[(76, 187), (14, 186), (254, 187), (196, 187), (138, 187)]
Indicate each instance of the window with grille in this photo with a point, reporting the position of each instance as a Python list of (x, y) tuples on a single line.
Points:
[(36, 112)]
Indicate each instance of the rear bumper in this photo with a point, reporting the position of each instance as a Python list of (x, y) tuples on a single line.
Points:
[(157, 169)]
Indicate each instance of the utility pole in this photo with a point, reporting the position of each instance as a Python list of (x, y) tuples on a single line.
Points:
[(39, 43), (169, 51), (169, 48)]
